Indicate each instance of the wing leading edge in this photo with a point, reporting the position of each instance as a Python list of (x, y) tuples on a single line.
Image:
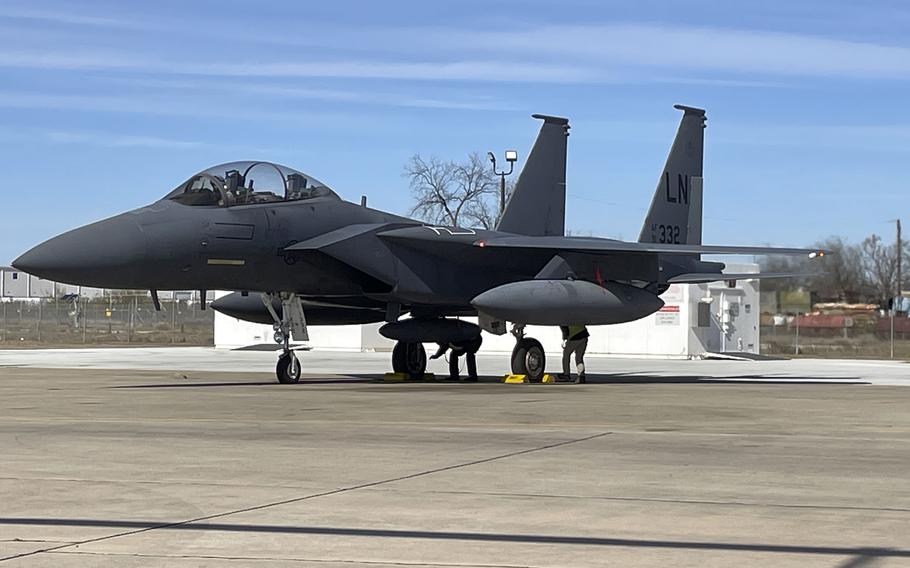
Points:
[(598, 245), (705, 277)]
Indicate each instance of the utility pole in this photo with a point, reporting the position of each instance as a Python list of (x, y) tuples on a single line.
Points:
[(900, 253)]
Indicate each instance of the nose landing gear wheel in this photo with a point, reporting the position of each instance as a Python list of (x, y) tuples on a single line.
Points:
[(528, 359), (410, 359), (288, 369)]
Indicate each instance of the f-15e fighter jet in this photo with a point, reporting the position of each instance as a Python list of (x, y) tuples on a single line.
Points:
[(298, 255)]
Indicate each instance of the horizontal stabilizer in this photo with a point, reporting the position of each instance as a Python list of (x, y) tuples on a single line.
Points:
[(598, 245)]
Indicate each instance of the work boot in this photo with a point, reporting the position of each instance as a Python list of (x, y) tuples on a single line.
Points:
[(563, 378), (581, 379)]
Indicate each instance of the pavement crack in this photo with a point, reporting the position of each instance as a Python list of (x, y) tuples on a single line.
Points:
[(668, 501), (340, 490), (287, 559), (44, 540)]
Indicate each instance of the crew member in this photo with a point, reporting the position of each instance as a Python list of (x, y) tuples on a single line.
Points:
[(467, 348), (575, 340)]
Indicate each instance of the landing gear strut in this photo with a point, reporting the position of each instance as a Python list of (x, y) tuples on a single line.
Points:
[(291, 322), (410, 359), (528, 357)]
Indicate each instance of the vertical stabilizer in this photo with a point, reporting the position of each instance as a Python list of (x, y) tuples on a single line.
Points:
[(676, 208), (537, 207)]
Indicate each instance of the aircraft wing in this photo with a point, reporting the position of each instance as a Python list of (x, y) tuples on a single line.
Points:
[(598, 245), (705, 277)]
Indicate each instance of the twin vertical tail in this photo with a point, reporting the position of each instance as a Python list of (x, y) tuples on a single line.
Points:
[(537, 206), (676, 208)]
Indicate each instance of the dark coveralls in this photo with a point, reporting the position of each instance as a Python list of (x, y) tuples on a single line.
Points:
[(576, 341), (468, 349)]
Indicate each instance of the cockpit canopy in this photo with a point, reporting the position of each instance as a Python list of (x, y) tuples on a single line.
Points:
[(247, 183)]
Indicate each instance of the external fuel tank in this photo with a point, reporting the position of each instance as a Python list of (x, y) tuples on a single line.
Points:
[(566, 302)]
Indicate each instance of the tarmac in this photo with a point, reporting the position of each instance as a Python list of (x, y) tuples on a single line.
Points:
[(196, 457)]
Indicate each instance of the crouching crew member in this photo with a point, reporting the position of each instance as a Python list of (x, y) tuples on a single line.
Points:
[(575, 340), (467, 348)]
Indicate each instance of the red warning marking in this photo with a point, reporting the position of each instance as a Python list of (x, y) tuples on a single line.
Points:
[(669, 309)]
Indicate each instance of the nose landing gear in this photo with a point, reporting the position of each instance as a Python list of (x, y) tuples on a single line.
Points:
[(528, 357), (290, 322), (288, 368)]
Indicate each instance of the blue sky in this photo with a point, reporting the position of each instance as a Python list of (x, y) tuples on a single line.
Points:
[(109, 105)]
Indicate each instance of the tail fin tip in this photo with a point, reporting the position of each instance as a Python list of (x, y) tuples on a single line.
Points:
[(551, 119), (689, 109)]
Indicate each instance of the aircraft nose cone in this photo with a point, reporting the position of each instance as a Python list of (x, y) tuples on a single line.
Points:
[(105, 254)]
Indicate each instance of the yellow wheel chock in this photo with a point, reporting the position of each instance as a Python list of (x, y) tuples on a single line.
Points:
[(520, 379)]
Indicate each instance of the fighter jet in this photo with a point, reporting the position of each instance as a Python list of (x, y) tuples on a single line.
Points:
[(297, 255)]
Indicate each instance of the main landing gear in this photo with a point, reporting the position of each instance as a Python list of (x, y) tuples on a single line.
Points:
[(410, 359), (290, 323), (527, 357)]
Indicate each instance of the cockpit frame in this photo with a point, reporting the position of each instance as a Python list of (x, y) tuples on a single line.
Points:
[(225, 186)]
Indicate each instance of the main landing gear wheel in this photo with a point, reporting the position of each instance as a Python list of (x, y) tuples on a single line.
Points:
[(288, 369), (528, 359), (410, 359)]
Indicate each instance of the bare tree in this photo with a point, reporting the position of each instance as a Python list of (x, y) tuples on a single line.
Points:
[(880, 262), (843, 275), (840, 276), (454, 193)]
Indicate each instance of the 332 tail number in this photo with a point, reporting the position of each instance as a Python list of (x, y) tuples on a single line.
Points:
[(669, 234)]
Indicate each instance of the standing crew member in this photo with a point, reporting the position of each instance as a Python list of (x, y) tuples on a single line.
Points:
[(575, 340), (468, 349)]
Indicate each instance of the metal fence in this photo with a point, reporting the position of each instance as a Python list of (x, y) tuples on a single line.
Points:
[(878, 338), (112, 320)]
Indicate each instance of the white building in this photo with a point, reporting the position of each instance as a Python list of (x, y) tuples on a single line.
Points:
[(696, 319), (17, 285)]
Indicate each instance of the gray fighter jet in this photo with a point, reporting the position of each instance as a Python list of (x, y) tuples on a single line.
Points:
[(298, 255)]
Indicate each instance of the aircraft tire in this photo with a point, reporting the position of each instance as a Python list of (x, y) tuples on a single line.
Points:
[(528, 359), (283, 370), (416, 361), (409, 358), (399, 353)]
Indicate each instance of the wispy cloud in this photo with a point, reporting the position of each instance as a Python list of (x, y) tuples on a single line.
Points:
[(215, 85), (873, 137), (70, 18), (476, 70), (591, 52), (684, 47), (167, 106), (120, 140), (76, 61)]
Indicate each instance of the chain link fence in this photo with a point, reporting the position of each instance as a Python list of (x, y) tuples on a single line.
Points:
[(113, 320), (881, 337)]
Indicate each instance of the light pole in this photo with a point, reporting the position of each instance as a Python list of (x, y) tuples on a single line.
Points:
[(511, 157), (897, 301), (900, 253)]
